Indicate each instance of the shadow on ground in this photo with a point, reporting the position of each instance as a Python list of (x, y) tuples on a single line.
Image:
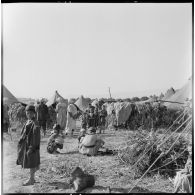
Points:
[(103, 189), (70, 152), (59, 185)]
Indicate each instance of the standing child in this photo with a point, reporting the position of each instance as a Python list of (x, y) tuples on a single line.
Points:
[(29, 145)]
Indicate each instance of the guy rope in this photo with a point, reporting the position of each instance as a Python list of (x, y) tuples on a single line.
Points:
[(162, 137), (162, 153)]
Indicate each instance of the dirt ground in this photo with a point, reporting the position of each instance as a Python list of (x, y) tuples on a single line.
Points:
[(54, 173)]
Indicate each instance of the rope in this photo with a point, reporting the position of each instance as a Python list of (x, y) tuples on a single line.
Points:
[(174, 159), (145, 173), (169, 162), (176, 130), (157, 141), (162, 153), (181, 115), (169, 101), (178, 137)]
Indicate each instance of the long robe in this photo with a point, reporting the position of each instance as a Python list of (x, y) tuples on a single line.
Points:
[(28, 155), (71, 122), (61, 114)]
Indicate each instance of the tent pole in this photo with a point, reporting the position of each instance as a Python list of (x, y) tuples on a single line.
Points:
[(109, 92)]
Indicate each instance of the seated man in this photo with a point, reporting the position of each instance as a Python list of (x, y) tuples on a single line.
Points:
[(183, 179), (90, 144), (55, 140), (81, 134)]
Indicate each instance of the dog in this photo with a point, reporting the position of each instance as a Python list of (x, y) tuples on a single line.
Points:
[(80, 180)]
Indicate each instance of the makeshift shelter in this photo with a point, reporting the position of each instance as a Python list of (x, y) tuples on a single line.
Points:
[(185, 93), (8, 97), (54, 99), (82, 103), (123, 111)]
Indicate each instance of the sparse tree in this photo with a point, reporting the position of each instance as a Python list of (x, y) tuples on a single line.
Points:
[(127, 99), (144, 98), (135, 99)]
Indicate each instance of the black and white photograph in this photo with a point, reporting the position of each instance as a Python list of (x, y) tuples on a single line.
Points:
[(97, 97)]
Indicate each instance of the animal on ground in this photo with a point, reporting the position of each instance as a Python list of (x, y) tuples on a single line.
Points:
[(81, 180)]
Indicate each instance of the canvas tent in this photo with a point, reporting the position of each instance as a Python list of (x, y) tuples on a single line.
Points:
[(8, 97), (95, 102), (54, 98), (82, 103), (168, 94), (185, 93)]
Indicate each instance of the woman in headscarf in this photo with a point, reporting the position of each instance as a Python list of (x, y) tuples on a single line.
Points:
[(71, 117), (61, 109)]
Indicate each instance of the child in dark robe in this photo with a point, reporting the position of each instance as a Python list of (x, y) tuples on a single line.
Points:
[(28, 155)]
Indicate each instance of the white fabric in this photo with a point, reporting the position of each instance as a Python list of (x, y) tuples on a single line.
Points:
[(59, 140), (71, 123), (95, 103), (109, 108), (123, 111), (61, 114), (89, 140), (181, 181)]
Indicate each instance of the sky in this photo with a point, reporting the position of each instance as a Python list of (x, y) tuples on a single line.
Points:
[(82, 49)]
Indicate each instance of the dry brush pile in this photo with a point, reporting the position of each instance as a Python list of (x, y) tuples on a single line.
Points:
[(143, 148), (17, 113), (147, 116)]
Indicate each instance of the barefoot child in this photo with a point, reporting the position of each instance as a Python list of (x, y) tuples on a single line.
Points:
[(29, 145)]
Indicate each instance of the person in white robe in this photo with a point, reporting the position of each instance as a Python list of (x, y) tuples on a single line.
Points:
[(61, 109), (71, 117)]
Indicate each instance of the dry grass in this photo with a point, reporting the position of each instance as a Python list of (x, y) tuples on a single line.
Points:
[(54, 173)]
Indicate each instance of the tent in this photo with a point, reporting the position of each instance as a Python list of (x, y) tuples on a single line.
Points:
[(185, 93), (54, 98), (168, 94), (95, 102), (82, 103), (8, 97)]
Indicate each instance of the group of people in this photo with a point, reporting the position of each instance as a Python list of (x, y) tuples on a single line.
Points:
[(94, 117), (92, 120), (28, 149)]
